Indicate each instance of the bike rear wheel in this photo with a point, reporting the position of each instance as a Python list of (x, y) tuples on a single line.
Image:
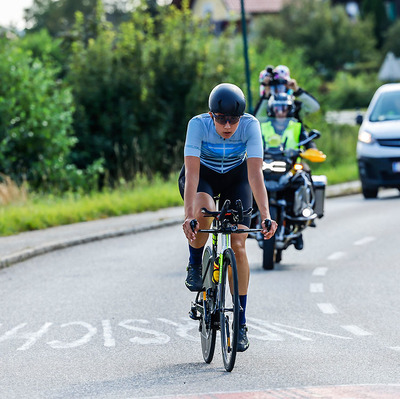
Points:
[(208, 331), (229, 307)]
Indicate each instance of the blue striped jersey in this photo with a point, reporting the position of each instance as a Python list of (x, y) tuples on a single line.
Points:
[(217, 153)]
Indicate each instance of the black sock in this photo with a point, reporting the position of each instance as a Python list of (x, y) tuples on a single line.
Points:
[(195, 255), (242, 314)]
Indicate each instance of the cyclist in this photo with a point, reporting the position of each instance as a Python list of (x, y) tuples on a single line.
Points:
[(223, 155), (277, 80)]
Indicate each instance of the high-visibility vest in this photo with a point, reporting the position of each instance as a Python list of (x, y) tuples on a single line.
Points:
[(290, 137)]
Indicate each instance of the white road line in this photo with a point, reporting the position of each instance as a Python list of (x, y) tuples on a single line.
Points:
[(109, 341), (316, 287), (336, 255), (356, 330), (320, 271), (272, 327), (327, 308), (365, 240), (311, 331), (395, 348)]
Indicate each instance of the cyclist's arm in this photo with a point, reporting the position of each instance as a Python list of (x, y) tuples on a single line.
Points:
[(256, 180), (192, 172), (254, 168)]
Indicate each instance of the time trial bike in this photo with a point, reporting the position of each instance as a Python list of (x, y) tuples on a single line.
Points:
[(217, 305)]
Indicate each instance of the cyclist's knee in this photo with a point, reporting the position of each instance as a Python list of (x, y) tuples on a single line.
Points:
[(239, 244), (204, 200)]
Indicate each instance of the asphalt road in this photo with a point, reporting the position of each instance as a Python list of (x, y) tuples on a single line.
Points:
[(109, 319)]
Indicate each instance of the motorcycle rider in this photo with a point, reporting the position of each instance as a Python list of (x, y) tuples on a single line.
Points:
[(283, 130), (277, 80), (280, 110)]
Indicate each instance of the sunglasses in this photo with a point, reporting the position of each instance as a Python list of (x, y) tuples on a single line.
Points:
[(223, 119)]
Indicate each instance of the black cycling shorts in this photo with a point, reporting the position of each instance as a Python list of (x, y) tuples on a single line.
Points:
[(232, 185)]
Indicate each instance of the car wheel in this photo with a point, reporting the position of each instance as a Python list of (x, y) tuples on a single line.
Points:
[(369, 191)]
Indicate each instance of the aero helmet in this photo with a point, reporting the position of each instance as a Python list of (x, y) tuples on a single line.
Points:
[(228, 99)]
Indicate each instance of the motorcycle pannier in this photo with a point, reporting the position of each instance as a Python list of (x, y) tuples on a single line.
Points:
[(319, 183)]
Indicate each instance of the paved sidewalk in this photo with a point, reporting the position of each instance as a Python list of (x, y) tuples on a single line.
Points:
[(19, 247)]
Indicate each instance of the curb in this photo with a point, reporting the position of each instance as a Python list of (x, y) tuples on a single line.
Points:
[(17, 257), (8, 260), (340, 190)]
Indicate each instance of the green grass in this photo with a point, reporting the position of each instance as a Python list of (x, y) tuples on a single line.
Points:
[(46, 211), (39, 212), (338, 174)]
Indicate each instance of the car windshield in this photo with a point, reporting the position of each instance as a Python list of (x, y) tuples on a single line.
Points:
[(387, 107)]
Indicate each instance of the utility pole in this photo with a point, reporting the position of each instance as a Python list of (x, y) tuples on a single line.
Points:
[(246, 57)]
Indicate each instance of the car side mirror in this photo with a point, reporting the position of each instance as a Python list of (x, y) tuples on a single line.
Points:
[(359, 119)]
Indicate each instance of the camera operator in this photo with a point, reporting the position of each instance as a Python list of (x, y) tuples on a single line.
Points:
[(277, 80)]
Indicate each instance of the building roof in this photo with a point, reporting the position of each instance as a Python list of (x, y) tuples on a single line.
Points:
[(251, 6), (256, 6)]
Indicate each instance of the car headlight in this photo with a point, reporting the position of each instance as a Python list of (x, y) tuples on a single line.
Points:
[(365, 137)]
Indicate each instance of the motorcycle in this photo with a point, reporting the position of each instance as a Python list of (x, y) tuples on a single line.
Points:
[(296, 198)]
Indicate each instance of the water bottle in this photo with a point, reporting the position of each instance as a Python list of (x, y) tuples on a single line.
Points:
[(215, 275)]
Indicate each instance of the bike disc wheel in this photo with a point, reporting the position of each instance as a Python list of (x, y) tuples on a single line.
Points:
[(229, 307), (208, 332)]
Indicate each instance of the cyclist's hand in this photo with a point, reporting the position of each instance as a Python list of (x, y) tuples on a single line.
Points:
[(269, 227), (188, 230)]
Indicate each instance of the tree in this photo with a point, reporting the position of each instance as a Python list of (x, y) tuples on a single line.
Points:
[(35, 120), (392, 42), (328, 37), (58, 17), (375, 9)]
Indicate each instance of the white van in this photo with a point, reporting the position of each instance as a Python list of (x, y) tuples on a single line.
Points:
[(378, 146)]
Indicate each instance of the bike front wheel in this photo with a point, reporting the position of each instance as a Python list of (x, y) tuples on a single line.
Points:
[(229, 307), (208, 331)]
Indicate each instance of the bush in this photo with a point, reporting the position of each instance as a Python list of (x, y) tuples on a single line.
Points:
[(338, 142), (348, 91), (135, 89), (45, 48), (36, 118), (36, 133)]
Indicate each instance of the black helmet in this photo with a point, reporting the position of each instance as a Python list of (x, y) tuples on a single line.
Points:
[(280, 100), (227, 99)]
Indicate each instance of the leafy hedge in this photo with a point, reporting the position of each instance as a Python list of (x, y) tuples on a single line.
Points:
[(136, 88), (35, 119)]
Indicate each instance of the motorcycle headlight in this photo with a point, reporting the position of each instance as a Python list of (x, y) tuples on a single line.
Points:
[(307, 212), (297, 166), (275, 166), (365, 137)]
